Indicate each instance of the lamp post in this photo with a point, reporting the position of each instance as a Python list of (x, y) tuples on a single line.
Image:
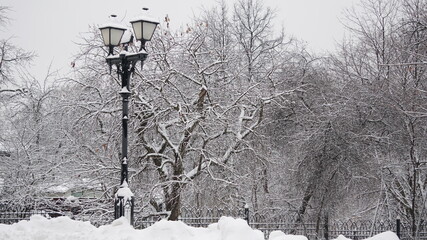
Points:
[(112, 35)]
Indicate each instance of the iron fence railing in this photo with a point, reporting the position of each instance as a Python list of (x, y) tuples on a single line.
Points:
[(288, 223), (267, 222), (10, 217)]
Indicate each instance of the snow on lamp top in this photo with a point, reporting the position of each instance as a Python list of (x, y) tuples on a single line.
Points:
[(112, 32)]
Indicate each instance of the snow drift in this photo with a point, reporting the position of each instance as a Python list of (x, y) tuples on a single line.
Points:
[(381, 236), (63, 228)]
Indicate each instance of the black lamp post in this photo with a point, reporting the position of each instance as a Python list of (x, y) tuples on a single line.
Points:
[(125, 62)]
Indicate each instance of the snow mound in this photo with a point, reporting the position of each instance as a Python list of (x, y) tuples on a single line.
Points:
[(64, 228), (279, 235), (38, 228), (382, 236), (231, 229), (341, 237)]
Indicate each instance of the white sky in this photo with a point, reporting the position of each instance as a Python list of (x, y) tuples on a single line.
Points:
[(49, 27)]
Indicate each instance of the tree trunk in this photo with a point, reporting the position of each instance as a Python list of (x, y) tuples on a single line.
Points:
[(173, 203), (307, 196)]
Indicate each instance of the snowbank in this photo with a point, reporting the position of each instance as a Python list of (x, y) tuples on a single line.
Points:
[(341, 237), (384, 236), (381, 236), (63, 228), (279, 235)]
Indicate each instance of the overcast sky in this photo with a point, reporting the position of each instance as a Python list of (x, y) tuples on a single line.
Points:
[(49, 27)]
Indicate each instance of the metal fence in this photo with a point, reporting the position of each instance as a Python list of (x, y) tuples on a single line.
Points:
[(10, 217), (265, 222), (287, 223)]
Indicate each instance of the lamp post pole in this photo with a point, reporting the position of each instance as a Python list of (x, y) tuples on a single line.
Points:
[(125, 93), (124, 199), (125, 62)]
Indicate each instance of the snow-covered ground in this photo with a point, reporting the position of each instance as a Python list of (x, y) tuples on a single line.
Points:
[(63, 228)]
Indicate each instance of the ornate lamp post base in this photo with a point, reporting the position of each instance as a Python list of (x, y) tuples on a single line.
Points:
[(124, 203)]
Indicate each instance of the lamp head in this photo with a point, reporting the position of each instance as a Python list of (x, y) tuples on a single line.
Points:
[(112, 33), (144, 27)]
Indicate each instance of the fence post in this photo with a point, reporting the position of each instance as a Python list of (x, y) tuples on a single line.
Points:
[(326, 227), (398, 227), (247, 213)]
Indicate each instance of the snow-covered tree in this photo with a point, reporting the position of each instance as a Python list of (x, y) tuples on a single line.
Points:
[(383, 58), (205, 96), (196, 106)]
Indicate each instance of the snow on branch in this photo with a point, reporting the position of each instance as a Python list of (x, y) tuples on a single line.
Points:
[(203, 71), (165, 135), (18, 90), (187, 77), (233, 146), (403, 64), (244, 93)]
